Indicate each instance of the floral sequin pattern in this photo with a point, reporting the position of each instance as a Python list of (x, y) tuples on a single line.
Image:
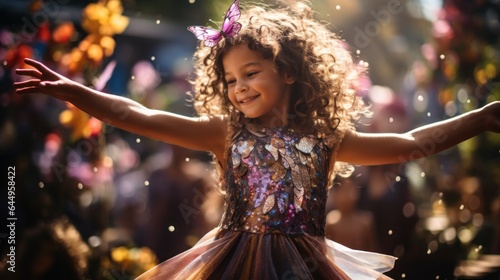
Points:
[(276, 181)]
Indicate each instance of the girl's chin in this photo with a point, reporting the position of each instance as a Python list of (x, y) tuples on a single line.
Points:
[(251, 115)]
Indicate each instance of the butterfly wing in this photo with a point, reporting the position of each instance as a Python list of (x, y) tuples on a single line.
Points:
[(233, 29), (230, 27), (209, 36)]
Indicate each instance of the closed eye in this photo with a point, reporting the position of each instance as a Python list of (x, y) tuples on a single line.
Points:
[(251, 74)]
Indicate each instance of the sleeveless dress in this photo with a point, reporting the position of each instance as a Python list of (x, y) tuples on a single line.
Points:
[(273, 225)]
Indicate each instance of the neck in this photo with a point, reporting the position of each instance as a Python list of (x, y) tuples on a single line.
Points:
[(279, 116)]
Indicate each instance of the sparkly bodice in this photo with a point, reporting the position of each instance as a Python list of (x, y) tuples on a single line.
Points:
[(276, 182), (273, 226)]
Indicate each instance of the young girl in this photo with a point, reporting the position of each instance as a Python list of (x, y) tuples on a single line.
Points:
[(276, 94)]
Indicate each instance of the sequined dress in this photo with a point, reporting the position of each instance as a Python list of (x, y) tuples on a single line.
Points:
[(274, 221)]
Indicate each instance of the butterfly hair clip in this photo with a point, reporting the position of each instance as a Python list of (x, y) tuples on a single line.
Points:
[(230, 27)]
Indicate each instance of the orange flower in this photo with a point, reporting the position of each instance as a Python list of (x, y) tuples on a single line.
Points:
[(104, 18), (83, 126), (101, 20), (62, 34)]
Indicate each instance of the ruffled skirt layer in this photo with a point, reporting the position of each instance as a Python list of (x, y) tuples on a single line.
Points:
[(226, 254)]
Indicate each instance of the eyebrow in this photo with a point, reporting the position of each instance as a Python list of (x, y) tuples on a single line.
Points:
[(252, 63)]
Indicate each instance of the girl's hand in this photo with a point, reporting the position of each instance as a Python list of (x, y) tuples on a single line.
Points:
[(44, 81), (491, 112)]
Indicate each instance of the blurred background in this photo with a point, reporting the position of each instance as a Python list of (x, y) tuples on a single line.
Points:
[(96, 202)]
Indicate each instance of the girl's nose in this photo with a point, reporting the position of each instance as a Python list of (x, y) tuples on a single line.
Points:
[(241, 86)]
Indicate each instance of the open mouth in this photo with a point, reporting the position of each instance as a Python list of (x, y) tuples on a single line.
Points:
[(246, 100)]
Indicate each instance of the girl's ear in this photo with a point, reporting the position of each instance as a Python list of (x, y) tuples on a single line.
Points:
[(289, 79)]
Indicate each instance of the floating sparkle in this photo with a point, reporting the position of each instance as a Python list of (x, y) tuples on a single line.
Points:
[(94, 241), (432, 246)]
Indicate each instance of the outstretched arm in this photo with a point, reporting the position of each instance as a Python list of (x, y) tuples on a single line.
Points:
[(204, 133), (385, 148)]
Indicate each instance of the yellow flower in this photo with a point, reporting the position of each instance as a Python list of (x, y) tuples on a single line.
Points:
[(104, 18), (108, 45), (480, 77), (490, 71), (95, 53), (118, 23), (114, 6), (76, 119), (146, 256), (101, 20), (119, 254)]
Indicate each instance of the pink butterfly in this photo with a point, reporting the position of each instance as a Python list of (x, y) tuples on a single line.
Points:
[(229, 27)]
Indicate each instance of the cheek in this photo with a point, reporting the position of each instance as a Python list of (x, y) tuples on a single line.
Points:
[(232, 97)]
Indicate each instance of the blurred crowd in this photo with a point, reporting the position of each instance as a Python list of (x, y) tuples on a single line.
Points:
[(95, 202)]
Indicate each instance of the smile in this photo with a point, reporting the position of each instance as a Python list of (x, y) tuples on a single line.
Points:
[(246, 100)]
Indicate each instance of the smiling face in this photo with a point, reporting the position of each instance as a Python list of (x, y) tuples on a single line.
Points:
[(255, 87)]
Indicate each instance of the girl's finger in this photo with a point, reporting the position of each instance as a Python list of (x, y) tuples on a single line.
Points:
[(28, 90), (41, 67), (28, 83), (29, 72)]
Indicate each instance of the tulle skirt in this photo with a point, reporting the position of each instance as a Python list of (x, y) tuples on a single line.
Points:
[(226, 254)]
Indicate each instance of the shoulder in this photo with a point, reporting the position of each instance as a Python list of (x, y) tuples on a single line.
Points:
[(333, 140), (216, 124), (218, 127), (216, 120)]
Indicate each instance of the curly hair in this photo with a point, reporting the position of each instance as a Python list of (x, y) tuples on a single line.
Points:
[(324, 94)]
